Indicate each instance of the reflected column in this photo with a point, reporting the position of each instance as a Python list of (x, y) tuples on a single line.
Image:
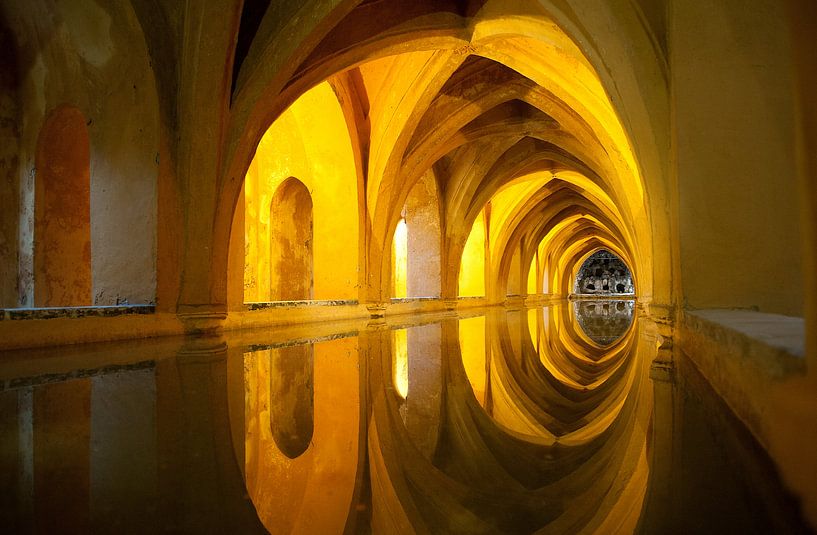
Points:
[(202, 489), (425, 388), (62, 434), (123, 484), (659, 510)]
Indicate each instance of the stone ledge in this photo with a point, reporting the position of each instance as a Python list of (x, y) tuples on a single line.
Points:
[(754, 362), (68, 330), (45, 313), (293, 304), (744, 355), (278, 313), (774, 343), (81, 373)]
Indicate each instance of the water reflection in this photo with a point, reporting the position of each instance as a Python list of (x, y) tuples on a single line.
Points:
[(519, 421), (509, 422), (291, 379), (533, 435), (308, 489), (604, 321)]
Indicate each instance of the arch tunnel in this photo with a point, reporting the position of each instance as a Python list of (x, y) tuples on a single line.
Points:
[(480, 161), (378, 266), (504, 124)]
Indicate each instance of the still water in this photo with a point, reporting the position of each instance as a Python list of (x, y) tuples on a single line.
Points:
[(563, 419)]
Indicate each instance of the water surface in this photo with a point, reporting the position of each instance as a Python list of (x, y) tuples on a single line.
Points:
[(544, 420)]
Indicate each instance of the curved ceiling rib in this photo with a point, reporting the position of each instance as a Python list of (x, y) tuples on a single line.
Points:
[(482, 99)]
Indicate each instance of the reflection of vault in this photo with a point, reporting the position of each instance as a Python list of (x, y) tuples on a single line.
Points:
[(325, 156)]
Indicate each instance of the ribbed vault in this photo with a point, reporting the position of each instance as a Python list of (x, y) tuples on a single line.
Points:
[(506, 113)]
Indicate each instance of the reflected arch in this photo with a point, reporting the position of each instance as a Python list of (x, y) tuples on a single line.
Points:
[(292, 404)]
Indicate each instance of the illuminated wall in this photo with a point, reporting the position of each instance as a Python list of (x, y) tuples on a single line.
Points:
[(319, 461), (309, 142), (400, 260), (472, 270)]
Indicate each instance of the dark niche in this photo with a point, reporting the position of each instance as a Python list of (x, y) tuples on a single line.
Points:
[(603, 273)]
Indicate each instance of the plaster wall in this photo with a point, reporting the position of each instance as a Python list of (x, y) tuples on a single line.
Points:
[(654, 13), (531, 285), (9, 180), (62, 226), (68, 54), (310, 142), (515, 279), (734, 126)]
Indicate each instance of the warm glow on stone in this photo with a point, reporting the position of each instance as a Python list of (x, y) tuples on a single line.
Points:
[(310, 142), (400, 259), (474, 357), (320, 481), (455, 183), (472, 268), (400, 364)]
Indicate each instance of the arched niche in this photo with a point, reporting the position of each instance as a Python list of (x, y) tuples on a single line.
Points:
[(604, 273), (291, 244), (399, 260), (310, 141), (62, 211), (292, 406), (471, 276)]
